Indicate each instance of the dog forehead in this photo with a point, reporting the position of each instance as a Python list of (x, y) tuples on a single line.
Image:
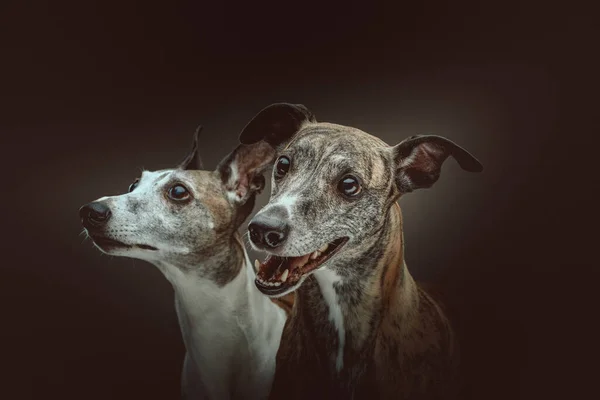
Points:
[(205, 186), (336, 139), (208, 189), (343, 146), (199, 181)]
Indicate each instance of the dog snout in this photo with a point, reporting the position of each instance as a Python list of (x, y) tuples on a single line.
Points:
[(268, 230), (94, 214)]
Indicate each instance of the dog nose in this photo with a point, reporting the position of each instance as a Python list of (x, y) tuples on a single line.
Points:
[(94, 214), (268, 231)]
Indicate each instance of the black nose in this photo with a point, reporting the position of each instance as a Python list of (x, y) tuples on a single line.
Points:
[(268, 231), (94, 214)]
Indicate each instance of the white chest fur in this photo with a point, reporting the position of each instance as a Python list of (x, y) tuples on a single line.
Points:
[(326, 280), (231, 334)]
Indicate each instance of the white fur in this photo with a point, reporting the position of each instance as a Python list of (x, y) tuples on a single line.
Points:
[(235, 176), (286, 201), (233, 197), (131, 228), (233, 179), (337, 158), (231, 333), (326, 280)]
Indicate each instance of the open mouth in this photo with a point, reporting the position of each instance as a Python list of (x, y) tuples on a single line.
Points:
[(277, 275), (107, 244)]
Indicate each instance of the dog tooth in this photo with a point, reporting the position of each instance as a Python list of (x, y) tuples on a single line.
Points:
[(324, 247), (276, 283), (284, 275), (315, 255), (256, 263)]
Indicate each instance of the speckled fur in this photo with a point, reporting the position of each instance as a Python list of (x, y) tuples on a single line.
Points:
[(398, 344), (230, 330)]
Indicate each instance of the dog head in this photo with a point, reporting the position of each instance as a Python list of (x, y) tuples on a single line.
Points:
[(183, 215), (332, 186)]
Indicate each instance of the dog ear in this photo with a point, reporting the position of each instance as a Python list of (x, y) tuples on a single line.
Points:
[(242, 170), (276, 124), (419, 160), (192, 160), (269, 130)]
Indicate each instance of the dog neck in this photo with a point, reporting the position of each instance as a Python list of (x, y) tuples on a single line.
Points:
[(231, 331), (357, 303)]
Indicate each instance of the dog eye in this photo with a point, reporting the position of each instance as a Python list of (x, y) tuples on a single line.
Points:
[(133, 185), (178, 193), (349, 186), (282, 166)]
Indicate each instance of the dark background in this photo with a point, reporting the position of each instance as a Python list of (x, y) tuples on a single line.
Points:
[(93, 91)]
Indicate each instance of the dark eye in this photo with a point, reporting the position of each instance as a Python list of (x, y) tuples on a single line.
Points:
[(134, 185), (349, 186), (178, 193), (282, 166)]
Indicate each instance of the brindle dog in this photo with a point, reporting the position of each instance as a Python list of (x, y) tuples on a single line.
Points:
[(360, 327)]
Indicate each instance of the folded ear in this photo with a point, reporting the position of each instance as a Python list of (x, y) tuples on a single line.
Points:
[(192, 160), (269, 130), (241, 171), (276, 124), (419, 160)]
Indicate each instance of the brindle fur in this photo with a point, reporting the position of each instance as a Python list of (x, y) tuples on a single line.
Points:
[(398, 342)]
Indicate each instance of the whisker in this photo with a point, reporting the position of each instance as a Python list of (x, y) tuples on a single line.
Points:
[(86, 237), (246, 239)]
